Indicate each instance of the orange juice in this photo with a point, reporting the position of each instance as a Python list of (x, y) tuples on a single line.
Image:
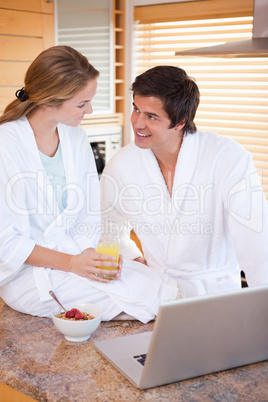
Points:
[(111, 248)]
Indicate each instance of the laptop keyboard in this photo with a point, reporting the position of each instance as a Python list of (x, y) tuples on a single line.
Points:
[(140, 358)]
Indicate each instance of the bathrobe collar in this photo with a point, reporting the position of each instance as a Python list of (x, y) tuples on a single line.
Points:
[(185, 167), (43, 181)]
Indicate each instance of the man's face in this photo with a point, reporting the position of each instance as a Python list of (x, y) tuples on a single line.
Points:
[(151, 124)]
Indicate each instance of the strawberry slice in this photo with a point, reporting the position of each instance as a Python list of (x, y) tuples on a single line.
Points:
[(69, 314), (78, 315)]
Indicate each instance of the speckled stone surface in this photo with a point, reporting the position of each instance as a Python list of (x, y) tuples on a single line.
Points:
[(37, 361)]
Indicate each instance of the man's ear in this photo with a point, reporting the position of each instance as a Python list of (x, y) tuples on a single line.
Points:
[(180, 125)]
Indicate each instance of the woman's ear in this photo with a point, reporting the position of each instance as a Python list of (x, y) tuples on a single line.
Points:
[(48, 107)]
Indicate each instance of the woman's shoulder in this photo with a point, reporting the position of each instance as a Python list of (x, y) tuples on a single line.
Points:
[(9, 127), (11, 132)]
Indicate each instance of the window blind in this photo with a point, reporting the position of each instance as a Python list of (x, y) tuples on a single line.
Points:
[(234, 92), (86, 26), (94, 43)]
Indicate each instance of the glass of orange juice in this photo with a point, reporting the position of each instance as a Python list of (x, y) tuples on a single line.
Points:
[(108, 244)]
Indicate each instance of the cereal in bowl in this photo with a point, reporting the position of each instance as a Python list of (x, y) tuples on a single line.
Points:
[(75, 315)]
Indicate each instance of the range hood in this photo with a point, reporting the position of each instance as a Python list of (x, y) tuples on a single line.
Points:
[(255, 47)]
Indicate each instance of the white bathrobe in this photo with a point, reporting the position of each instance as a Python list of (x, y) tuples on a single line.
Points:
[(214, 224), (30, 215)]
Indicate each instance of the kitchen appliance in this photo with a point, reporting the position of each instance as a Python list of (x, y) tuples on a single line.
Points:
[(255, 47), (105, 142)]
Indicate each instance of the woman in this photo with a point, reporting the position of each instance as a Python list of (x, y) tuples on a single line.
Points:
[(50, 219)]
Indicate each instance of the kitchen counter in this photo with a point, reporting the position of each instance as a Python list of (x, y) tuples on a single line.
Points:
[(37, 361)]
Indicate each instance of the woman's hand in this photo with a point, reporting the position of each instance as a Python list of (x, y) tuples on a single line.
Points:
[(120, 264), (87, 263)]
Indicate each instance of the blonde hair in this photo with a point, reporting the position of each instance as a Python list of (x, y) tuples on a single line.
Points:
[(53, 77)]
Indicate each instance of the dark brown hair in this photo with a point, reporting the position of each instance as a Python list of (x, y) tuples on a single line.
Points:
[(178, 92)]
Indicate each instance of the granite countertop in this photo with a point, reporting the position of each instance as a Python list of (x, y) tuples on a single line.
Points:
[(37, 361)]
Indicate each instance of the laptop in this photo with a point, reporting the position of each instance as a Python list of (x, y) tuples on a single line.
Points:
[(193, 337)]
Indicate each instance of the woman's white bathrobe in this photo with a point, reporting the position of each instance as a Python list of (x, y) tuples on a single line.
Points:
[(29, 215), (214, 224)]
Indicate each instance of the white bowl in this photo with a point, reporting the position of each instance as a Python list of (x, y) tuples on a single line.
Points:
[(77, 331)]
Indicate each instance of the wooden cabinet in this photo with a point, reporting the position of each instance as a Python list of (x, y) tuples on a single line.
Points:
[(119, 56), (26, 28), (117, 118)]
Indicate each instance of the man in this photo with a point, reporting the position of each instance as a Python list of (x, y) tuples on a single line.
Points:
[(193, 198)]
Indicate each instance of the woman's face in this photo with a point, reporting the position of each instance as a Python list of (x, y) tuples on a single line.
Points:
[(72, 111)]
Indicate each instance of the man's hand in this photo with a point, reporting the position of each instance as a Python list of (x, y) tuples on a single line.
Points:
[(141, 260)]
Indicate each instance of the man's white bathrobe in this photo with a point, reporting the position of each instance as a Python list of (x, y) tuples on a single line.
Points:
[(29, 215), (214, 224)]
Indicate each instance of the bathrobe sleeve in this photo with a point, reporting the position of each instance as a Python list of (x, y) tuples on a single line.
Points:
[(15, 242), (246, 216)]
